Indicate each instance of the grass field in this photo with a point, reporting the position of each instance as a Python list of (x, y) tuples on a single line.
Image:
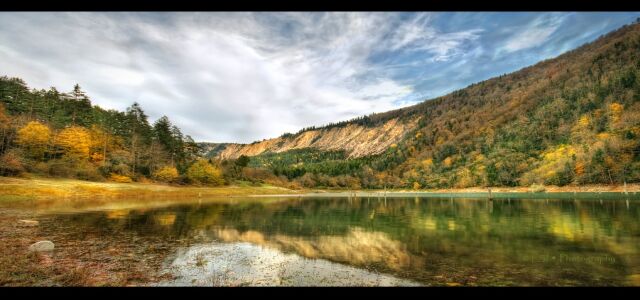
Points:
[(47, 188)]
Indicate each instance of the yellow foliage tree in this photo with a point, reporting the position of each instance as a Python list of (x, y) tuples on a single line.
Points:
[(553, 162), (34, 137), (203, 172), (427, 164), (98, 144), (416, 186), (465, 178), (447, 161), (166, 174), (584, 121), (616, 111), (479, 158), (74, 141)]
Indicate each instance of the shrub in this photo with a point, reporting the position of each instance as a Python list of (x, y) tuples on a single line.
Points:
[(203, 172), (416, 185), (537, 188), (10, 164), (87, 171), (166, 174), (120, 178), (60, 168), (121, 169), (39, 168)]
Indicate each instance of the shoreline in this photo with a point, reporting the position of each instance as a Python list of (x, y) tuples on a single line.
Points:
[(473, 195), (585, 191), (12, 188)]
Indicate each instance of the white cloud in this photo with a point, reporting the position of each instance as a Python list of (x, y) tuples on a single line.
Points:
[(418, 35), (533, 34)]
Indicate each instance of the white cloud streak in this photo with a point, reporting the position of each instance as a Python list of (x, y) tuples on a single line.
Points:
[(533, 34)]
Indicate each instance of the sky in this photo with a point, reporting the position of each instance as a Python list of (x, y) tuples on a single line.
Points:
[(243, 76)]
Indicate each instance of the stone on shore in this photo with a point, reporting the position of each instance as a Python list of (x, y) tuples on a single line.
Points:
[(41, 246)]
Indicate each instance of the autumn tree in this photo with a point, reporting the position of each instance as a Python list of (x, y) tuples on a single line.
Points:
[(34, 138), (74, 142), (99, 143), (166, 174), (5, 128), (202, 172), (10, 164)]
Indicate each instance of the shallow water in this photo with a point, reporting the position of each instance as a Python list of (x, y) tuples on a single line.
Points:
[(377, 241)]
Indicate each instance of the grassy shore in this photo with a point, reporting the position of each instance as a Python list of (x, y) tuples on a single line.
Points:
[(49, 188)]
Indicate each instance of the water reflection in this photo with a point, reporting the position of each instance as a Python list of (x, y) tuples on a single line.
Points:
[(245, 264), (431, 241)]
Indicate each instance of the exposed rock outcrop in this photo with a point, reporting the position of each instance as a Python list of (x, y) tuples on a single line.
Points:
[(356, 140)]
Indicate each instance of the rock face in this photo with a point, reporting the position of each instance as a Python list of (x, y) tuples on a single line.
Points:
[(42, 246), (211, 149), (356, 140)]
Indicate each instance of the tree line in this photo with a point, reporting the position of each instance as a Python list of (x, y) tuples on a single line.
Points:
[(51, 133)]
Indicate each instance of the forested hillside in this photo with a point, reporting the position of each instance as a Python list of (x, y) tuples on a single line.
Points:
[(50, 133), (574, 119)]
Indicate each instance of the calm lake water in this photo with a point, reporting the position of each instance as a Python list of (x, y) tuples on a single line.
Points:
[(377, 241)]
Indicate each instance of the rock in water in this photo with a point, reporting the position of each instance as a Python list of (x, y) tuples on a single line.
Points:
[(29, 222), (42, 246)]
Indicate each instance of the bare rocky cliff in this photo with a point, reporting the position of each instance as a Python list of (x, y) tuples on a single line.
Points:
[(357, 140)]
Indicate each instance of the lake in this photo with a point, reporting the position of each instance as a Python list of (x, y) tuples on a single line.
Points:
[(370, 241)]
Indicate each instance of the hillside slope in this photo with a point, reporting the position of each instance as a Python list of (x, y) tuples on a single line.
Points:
[(574, 119)]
